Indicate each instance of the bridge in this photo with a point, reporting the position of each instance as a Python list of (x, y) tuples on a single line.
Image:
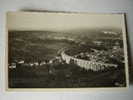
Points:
[(88, 65)]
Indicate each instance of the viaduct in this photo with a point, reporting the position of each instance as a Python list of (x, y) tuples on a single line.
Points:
[(88, 65)]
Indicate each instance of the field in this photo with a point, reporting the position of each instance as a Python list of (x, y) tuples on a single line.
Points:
[(63, 76)]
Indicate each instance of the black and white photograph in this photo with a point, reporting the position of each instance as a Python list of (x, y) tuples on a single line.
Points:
[(48, 50)]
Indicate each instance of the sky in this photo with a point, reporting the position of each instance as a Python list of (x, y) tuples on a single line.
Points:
[(62, 21)]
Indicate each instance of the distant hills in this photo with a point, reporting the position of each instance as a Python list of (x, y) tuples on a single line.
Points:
[(75, 35)]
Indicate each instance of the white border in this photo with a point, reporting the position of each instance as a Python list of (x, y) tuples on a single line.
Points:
[(70, 89)]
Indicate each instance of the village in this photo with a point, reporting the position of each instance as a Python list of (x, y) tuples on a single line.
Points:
[(17, 63)]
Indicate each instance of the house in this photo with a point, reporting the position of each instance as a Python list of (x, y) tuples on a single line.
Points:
[(42, 63), (21, 62), (12, 66)]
